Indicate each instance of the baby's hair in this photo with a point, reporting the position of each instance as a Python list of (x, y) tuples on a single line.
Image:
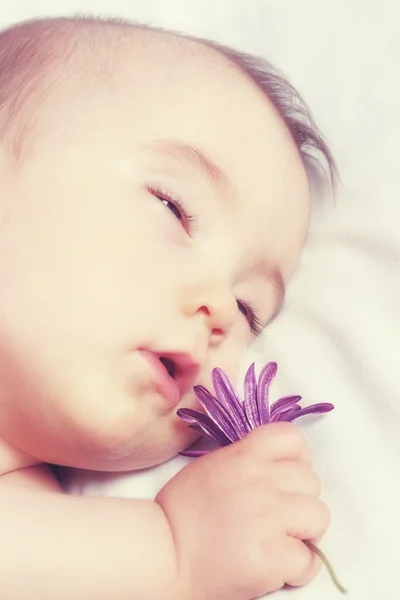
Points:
[(292, 108), (32, 52)]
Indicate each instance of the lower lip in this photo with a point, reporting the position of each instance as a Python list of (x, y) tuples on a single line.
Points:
[(164, 383)]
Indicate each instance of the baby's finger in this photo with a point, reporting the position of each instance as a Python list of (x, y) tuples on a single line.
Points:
[(305, 517), (294, 477), (304, 564), (289, 561), (277, 441)]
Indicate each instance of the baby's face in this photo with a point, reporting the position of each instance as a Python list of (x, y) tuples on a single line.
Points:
[(148, 221)]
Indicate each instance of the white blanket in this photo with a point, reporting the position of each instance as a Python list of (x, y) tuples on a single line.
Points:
[(338, 339)]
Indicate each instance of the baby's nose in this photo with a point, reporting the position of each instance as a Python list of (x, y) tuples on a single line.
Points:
[(215, 301)]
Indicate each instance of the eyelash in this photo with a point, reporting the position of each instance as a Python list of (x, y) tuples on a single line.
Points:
[(188, 220), (189, 223), (256, 325)]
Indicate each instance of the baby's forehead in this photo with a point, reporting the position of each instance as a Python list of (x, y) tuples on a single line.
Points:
[(79, 57), (194, 103), (48, 59)]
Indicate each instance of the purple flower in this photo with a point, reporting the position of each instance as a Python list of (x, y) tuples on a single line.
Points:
[(228, 419)]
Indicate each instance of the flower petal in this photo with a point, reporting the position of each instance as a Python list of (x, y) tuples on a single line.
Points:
[(250, 398), (283, 404), (308, 410), (264, 381), (228, 397), (195, 427), (193, 453), (287, 415), (207, 425), (216, 412)]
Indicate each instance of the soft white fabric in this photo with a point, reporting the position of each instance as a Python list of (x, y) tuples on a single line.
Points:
[(338, 338)]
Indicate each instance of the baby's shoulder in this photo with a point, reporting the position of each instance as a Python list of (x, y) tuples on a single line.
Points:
[(12, 459)]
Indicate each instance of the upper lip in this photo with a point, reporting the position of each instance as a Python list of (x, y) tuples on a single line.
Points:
[(183, 367)]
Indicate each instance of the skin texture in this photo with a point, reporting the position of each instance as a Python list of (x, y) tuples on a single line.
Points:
[(97, 265)]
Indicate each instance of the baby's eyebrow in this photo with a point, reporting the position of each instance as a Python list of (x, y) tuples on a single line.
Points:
[(199, 161)]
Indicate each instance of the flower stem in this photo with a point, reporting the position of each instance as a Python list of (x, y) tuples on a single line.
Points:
[(328, 565)]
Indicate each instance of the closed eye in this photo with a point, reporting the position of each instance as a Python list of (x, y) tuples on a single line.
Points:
[(256, 324), (176, 207)]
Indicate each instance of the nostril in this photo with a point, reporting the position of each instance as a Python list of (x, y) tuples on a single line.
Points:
[(169, 365)]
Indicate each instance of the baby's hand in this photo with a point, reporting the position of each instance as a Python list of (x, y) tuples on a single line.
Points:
[(238, 516)]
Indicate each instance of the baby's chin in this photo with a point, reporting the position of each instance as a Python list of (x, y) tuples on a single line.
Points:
[(113, 454)]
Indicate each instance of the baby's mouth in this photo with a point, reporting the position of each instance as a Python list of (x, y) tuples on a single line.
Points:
[(163, 380), (180, 368), (169, 365)]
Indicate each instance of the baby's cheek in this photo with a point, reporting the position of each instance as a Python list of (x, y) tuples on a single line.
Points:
[(229, 355)]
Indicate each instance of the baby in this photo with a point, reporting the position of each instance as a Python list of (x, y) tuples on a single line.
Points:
[(154, 203)]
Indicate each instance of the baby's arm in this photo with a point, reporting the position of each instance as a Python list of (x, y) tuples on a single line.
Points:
[(227, 527), (67, 547)]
